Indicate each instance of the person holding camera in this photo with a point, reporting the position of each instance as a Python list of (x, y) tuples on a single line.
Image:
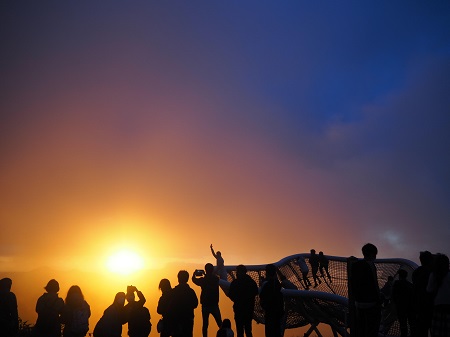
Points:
[(209, 297), (138, 316)]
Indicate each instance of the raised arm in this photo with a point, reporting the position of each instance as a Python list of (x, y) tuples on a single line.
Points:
[(212, 251), (141, 297)]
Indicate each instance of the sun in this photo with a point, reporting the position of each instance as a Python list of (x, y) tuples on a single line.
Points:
[(125, 262)]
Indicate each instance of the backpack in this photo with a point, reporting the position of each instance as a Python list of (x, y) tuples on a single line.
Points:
[(80, 322)]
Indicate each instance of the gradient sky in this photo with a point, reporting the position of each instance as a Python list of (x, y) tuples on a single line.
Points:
[(266, 128)]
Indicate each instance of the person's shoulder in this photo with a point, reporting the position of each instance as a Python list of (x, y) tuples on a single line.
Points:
[(360, 264), (249, 280)]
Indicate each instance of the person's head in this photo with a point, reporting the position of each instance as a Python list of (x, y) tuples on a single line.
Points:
[(52, 286), (209, 268), (320, 253), (313, 251), (226, 323), (5, 284), (369, 251), (402, 274), (74, 296), (219, 253), (241, 270), (183, 277), (164, 285), (119, 299), (426, 258), (271, 271)]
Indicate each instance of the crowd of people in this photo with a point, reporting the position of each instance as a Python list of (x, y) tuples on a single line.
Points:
[(423, 305)]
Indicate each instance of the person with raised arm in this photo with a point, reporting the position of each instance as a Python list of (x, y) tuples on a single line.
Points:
[(220, 264)]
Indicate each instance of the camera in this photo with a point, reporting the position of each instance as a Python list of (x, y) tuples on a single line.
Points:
[(199, 272)]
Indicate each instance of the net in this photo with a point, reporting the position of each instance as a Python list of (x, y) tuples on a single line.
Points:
[(326, 303)]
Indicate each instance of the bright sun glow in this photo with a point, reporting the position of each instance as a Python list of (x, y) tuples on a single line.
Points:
[(125, 262)]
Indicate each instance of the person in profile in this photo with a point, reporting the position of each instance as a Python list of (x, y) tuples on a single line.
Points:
[(304, 270), (225, 329), (243, 291), (164, 308), (137, 316), (184, 301), (402, 296), (366, 293), (75, 314), (314, 262), (272, 302), (220, 264), (49, 308), (439, 284), (323, 267), (110, 324), (423, 299), (9, 317), (209, 297)]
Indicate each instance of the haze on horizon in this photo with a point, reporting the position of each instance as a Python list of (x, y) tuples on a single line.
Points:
[(266, 129)]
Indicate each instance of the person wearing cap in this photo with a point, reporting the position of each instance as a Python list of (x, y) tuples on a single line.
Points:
[(49, 308)]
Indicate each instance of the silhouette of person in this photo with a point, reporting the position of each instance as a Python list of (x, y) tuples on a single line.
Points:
[(439, 284), (403, 298), (314, 262), (272, 302), (220, 264), (285, 284), (323, 266), (75, 314), (164, 308), (209, 297), (184, 301), (304, 270), (225, 329), (9, 317), (137, 316), (366, 293), (423, 299), (110, 324), (387, 311), (386, 291), (49, 307), (242, 292)]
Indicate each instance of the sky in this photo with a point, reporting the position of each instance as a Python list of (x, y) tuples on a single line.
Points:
[(264, 128)]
